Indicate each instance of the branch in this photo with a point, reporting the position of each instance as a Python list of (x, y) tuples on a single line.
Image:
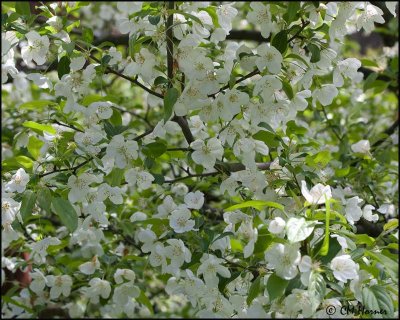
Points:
[(66, 169), (110, 70), (389, 131)]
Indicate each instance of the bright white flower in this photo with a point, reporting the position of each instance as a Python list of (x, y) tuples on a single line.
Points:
[(97, 288), (88, 140), (142, 179), (158, 257), (129, 7), (353, 210), (37, 48), (59, 285), (346, 68), (138, 216), (178, 253), (113, 193), (266, 86), (391, 5), (116, 56), (325, 94), (39, 249), (9, 210), (284, 259), (80, 186), (122, 151), (125, 292), (317, 195), (387, 209), (246, 149), (361, 146), (207, 154), (250, 235), (229, 104), (261, 16), (180, 189), (225, 14), (40, 80), (299, 300), (90, 267), (269, 57), (103, 109), (180, 221), (367, 213), (18, 181), (210, 266), (344, 268), (194, 200), (368, 17), (148, 237), (277, 226), (143, 65), (166, 207), (38, 281), (121, 274), (77, 63)]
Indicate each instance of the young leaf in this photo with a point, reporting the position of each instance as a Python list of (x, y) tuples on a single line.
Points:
[(254, 290), (325, 245), (63, 66), (276, 286), (169, 101), (66, 212), (27, 204), (280, 41), (377, 298), (315, 52)]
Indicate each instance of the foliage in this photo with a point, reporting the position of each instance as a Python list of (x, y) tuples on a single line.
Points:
[(157, 162)]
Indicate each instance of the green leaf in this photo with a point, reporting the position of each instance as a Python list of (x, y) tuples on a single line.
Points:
[(66, 212), (39, 128), (292, 11), (145, 301), (169, 101), (280, 41), (23, 8), (44, 199), (264, 239), (63, 66), (212, 11), (325, 245), (154, 149), (377, 298), (187, 16), (254, 290), (369, 63), (297, 57), (269, 138), (317, 286), (34, 145), (223, 235), (292, 127), (288, 89), (27, 204), (116, 118), (371, 78), (392, 224), (256, 204), (315, 52), (115, 177), (17, 162), (37, 105), (87, 35), (276, 286), (154, 20)]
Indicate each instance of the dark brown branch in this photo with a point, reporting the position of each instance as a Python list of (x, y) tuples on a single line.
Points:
[(66, 169), (110, 70), (389, 131)]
